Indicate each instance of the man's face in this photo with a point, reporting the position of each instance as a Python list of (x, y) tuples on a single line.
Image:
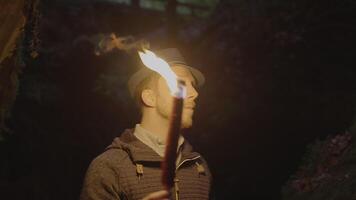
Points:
[(164, 99)]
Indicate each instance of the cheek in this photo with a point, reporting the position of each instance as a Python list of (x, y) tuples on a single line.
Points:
[(165, 103), (164, 98)]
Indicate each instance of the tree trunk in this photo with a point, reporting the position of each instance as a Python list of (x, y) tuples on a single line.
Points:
[(12, 21)]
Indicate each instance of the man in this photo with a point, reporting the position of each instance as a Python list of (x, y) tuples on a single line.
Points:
[(130, 166)]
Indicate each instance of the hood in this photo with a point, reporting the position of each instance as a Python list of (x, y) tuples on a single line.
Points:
[(139, 152)]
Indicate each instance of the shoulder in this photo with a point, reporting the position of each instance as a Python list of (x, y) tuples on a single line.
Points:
[(106, 167), (111, 158), (102, 178)]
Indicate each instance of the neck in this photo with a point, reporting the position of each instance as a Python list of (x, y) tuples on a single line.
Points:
[(155, 123)]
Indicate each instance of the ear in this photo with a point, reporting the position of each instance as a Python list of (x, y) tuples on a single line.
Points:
[(148, 97)]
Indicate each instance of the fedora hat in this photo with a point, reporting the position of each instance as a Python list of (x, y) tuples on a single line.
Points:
[(173, 57)]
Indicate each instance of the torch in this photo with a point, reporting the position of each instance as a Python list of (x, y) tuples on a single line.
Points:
[(178, 92), (170, 156)]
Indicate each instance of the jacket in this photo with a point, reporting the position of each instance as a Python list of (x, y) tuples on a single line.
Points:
[(129, 169)]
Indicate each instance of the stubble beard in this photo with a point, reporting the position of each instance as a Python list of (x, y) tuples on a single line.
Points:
[(187, 114), (187, 118)]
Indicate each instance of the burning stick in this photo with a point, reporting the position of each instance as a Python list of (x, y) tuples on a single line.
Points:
[(170, 157), (178, 92)]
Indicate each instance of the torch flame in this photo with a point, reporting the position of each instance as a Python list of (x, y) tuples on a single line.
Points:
[(157, 64)]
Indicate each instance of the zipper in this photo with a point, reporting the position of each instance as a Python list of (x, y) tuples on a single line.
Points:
[(186, 160), (176, 180)]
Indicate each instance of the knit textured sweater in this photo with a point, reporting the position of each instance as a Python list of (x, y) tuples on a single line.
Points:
[(129, 169)]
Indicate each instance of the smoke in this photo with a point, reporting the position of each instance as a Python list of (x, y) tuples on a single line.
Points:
[(105, 43)]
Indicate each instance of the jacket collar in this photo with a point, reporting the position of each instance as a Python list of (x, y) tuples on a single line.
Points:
[(140, 152)]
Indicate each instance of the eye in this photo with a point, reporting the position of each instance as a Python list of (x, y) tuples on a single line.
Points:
[(192, 83)]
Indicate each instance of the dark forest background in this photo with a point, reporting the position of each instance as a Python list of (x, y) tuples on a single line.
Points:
[(280, 75)]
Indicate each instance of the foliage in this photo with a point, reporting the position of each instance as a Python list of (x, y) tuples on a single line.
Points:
[(327, 172), (279, 74), (11, 27), (18, 43), (10, 65)]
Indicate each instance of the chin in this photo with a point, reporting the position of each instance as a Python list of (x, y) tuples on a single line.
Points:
[(187, 118), (186, 123)]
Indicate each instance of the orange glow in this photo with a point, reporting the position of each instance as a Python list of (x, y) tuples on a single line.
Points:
[(157, 64)]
